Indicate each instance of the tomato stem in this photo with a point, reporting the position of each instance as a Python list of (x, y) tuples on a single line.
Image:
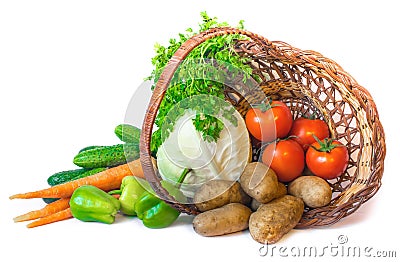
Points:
[(312, 116), (326, 145), (264, 106)]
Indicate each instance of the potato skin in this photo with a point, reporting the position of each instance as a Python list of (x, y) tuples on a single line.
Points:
[(273, 220), (217, 193), (281, 192), (255, 204), (265, 181), (233, 217), (314, 190)]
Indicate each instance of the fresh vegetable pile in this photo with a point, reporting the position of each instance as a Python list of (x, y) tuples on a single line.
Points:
[(202, 149)]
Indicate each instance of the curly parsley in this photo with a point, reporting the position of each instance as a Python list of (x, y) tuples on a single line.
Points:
[(204, 71)]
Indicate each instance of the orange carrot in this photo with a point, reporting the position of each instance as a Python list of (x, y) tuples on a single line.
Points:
[(106, 180), (49, 209), (59, 216)]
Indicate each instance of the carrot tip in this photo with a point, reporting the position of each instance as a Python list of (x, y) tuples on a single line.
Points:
[(20, 218), (17, 196), (31, 225)]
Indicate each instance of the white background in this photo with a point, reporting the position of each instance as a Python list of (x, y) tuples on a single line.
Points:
[(68, 70)]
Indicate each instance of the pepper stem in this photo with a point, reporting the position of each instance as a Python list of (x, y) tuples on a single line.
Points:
[(183, 175), (115, 192)]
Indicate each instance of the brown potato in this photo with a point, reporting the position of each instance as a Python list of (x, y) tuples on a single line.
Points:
[(260, 182), (281, 192), (314, 190), (217, 193), (233, 217), (255, 204), (273, 220)]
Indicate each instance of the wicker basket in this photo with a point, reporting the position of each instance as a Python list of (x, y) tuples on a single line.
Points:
[(307, 82)]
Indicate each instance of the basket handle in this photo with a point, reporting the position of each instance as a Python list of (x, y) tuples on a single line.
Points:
[(158, 94)]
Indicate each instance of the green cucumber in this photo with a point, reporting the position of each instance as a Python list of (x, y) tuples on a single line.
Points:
[(88, 148), (127, 133), (107, 156), (49, 200), (66, 176)]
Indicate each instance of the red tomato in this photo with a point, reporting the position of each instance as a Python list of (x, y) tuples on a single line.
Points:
[(269, 122), (328, 159), (286, 158), (303, 129)]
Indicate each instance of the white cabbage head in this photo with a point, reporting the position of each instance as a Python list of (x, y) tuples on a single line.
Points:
[(185, 149)]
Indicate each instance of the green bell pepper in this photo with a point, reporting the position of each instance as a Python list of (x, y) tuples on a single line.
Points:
[(154, 212), (89, 203), (131, 189)]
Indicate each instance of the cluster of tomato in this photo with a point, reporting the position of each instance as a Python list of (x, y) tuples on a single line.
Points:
[(295, 144)]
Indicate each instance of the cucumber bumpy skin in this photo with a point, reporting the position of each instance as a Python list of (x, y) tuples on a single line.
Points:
[(64, 176), (88, 148), (107, 156), (127, 133)]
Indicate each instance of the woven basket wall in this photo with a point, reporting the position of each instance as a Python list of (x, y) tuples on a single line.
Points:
[(309, 83)]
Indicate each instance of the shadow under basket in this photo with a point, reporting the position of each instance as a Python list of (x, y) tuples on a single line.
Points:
[(309, 84)]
